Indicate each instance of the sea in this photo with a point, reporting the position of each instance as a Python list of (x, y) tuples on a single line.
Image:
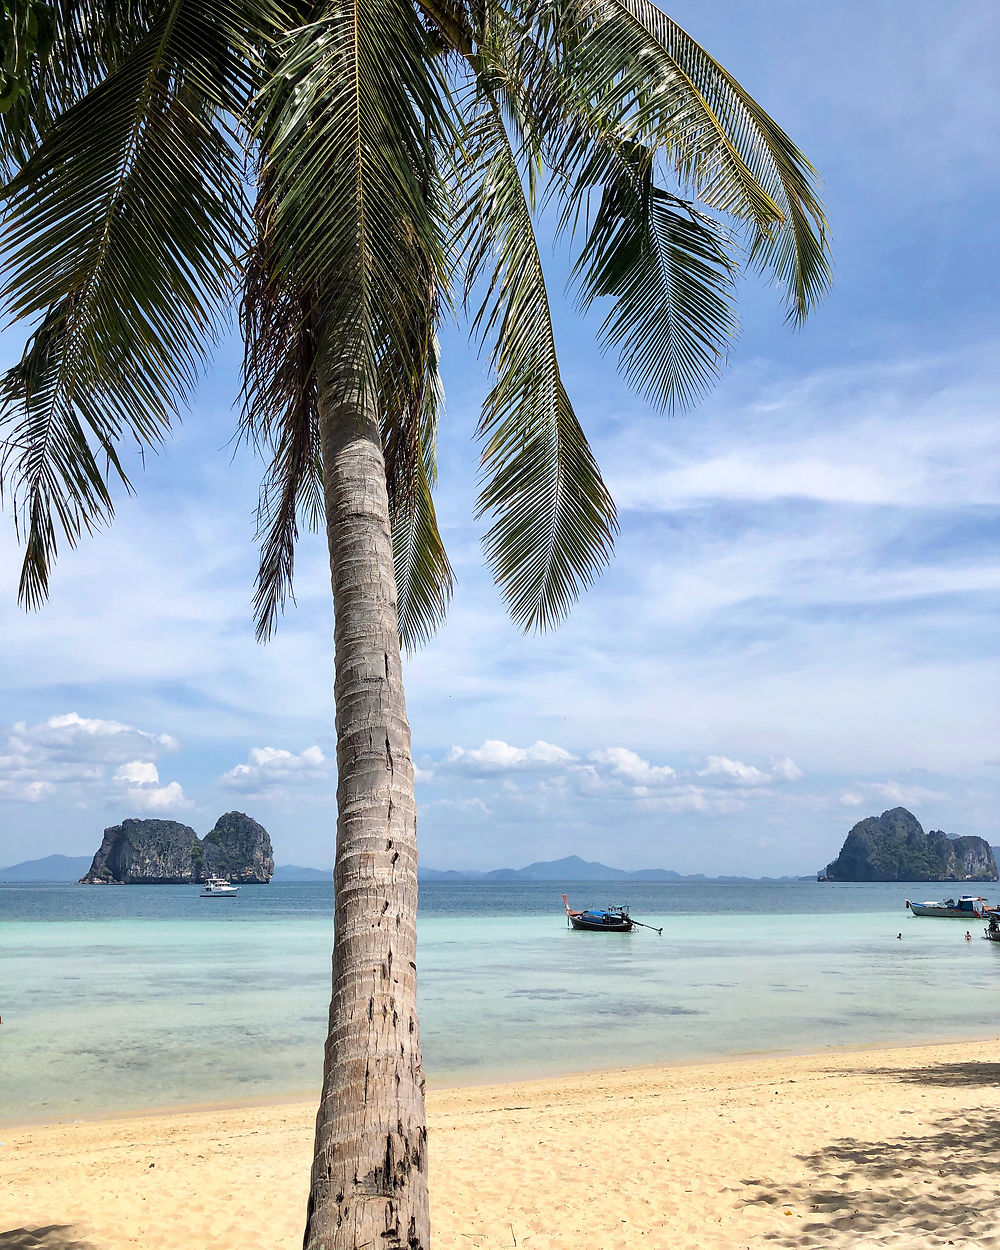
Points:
[(118, 999)]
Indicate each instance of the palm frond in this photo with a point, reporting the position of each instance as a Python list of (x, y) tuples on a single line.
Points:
[(668, 270), (424, 576), (85, 41), (798, 250), (122, 230), (578, 75), (661, 88), (625, 71), (280, 418), (349, 123), (409, 425), (554, 519), (71, 46)]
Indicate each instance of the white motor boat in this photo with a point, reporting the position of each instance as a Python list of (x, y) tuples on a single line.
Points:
[(218, 887)]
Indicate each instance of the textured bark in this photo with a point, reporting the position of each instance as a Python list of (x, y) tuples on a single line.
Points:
[(369, 1177)]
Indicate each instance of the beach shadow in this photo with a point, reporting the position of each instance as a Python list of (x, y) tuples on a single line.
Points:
[(965, 1074), (937, 1184), (54, 1237)]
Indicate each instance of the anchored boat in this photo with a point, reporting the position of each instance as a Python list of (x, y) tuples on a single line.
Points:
[(612, 920), (968, 907), (218, 887)]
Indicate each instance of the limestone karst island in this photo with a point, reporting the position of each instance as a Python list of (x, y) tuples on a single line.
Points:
[(894, 847), (165, 852)]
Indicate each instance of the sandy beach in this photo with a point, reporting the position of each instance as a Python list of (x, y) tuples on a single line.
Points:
[(893, 1147)]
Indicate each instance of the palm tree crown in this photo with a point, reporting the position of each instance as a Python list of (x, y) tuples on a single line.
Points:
[(353, 172)]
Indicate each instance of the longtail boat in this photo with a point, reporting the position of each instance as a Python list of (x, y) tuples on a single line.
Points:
[(611, 920), (968, 907)]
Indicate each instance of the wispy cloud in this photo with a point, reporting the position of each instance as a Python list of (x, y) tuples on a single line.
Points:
[(539, 768), (899, 794)]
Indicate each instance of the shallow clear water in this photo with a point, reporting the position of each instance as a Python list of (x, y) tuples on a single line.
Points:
[(149, 996)]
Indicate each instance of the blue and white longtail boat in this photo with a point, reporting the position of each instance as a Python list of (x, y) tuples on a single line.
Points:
[(612, 920), (968, 907)]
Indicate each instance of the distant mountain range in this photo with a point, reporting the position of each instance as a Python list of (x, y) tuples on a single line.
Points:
[(570, 868), (295, 872), (51, 868), (573, 868)]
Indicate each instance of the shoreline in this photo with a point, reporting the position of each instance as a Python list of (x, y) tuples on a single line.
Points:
[(880, 1145), (453, 1084)]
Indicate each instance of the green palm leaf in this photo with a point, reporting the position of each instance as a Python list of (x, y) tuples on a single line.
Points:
[(280, 418), (409, 425), (797, 251), (668, 271), (631, 74), (678, 99), (349, 119), (424, 576), (554, 519), (122, 230)]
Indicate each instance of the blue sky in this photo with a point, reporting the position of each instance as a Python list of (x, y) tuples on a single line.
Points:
[(799, 626)]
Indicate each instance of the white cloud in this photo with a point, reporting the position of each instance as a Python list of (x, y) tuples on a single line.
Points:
[(546, 781), (158, 798), (734, 770), (70, 756), (17, 791), (850, 450), (690, 798), (496, 756), (545, 773), (876, 793), (905, 796), (786, 770), (140, 784), (71, 736), (269, 770), (460, 805), (138, 772), (632, 767), (277, 760)]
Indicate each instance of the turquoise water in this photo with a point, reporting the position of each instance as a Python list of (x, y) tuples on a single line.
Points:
[(149, 996)]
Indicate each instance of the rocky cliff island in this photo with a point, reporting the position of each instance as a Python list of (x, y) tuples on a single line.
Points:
[(164, 852), (894, 847)]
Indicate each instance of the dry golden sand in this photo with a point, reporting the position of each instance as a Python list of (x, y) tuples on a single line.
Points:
[(878, 1148)]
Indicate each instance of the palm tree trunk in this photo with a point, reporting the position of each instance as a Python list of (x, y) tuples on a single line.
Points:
[(369, 1176)]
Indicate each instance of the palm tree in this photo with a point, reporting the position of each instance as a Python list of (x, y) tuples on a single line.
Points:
[(350, 172)]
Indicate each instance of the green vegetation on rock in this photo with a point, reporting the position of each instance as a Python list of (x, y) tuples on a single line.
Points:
[(894, 847)]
